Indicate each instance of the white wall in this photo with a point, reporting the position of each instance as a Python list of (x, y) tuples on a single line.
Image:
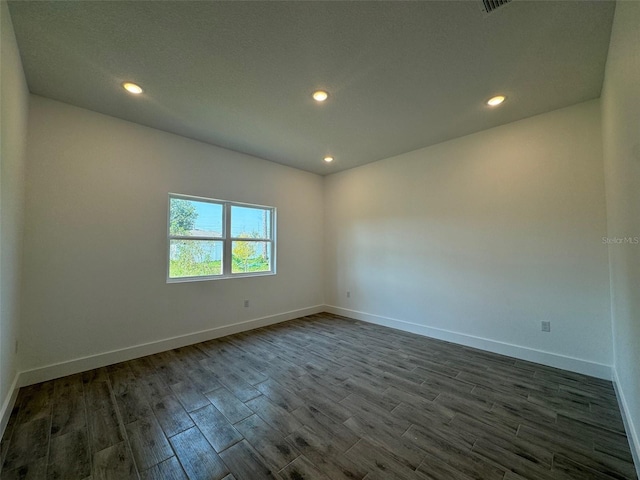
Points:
[(486, 235), (621, 136), (13, 120), (95, 248)]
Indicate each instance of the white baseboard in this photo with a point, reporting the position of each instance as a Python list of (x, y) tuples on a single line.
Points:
[(524, 353), (8, 404), (632, 433), (78, 365)]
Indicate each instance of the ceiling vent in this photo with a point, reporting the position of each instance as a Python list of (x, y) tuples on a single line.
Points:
[(489, 6)]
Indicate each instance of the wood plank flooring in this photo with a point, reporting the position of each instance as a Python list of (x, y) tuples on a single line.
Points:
[(322, 398)]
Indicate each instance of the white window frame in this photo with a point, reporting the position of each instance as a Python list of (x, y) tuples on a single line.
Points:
[(226, 239)]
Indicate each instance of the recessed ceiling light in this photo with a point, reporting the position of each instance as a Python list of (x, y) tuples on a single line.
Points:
[(495, 101), (132, 88), (320, 96), (328, 159)]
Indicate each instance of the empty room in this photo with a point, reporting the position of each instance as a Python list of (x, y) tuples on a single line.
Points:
[(341, 240)]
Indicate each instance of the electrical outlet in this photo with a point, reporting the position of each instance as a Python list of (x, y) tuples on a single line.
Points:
[(348, 294), (246, 303), (546, 326)]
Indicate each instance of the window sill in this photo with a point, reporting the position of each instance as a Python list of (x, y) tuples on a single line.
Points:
[(219, 277)]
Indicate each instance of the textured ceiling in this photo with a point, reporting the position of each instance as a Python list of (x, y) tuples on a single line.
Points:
[(401, 75)]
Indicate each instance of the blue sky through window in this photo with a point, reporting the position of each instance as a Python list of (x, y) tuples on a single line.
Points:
[(209, 217), (245, 220)]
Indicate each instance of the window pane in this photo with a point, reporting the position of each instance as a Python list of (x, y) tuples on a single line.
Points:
[(195, 219), (250, 256), (250, 222), (193, 258)]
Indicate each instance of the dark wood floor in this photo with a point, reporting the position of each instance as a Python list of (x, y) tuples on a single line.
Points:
[(320, 397)]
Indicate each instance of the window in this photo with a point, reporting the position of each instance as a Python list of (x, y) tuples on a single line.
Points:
[(211, 239)]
